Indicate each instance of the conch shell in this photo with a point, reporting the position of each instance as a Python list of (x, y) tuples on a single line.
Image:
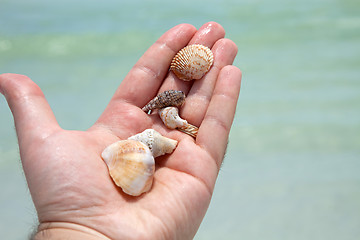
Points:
[(165, 99), (131, 166), (192, 62), (131, 162), (158, 144), (171, 119)]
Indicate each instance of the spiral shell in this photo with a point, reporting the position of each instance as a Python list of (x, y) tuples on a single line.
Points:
[(168, 98), (131, 166), (171, 119), (192, 62), (158, 144)]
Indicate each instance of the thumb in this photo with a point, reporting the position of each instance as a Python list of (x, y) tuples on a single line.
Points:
[(34, 119)]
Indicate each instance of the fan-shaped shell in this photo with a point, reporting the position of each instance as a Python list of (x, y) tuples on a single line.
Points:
[(168, 98), (192, 62), (131, 166)]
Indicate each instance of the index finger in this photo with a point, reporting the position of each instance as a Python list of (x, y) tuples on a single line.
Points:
[(146, 76)]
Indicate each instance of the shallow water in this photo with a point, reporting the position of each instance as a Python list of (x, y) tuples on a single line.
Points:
[(293, 161)]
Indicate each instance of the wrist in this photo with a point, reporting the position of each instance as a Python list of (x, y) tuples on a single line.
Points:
[(70, 231)]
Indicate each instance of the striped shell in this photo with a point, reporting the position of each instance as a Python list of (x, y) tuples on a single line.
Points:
[(171, 119), (131, 166), (131, 162), (192, 62), (165, 99)]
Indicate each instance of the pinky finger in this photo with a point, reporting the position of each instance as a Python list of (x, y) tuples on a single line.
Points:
[(214, 130)]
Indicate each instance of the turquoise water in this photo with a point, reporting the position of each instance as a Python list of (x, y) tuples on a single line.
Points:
[(293, 161)]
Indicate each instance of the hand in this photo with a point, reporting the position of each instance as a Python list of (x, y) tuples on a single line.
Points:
[(69, 182)]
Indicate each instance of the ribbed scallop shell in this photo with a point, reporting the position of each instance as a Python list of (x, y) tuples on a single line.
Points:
[(171, 119), (165, 99), (192, 62), (131, 166)]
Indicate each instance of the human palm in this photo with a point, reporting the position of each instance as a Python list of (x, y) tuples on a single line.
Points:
[(69, 182)]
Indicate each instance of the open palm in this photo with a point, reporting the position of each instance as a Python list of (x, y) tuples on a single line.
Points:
[(69, 182)]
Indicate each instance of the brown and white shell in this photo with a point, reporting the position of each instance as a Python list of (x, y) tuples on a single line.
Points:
[(171, 119), (158, 144), (192, 62), (131, 166), (165, 99)]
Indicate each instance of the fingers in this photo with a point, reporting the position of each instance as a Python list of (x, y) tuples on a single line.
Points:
[(207, 35), (215, 128), (145, 78), (201, 91), (32, 114)]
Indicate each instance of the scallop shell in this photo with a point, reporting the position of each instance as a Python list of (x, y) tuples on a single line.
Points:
[(158, 144), (165, 99), (192, 62), (131, 166), (171, 119)]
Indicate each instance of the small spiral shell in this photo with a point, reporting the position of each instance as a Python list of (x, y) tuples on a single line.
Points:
[(189, 130), (171, 119), (165, 99)]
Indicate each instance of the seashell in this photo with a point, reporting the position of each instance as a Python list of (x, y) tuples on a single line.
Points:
[(158, 144), (171, 119), (166, 99), (192, 62), (131, 166)]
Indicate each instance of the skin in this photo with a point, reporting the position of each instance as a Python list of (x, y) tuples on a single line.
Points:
[(69, 182)]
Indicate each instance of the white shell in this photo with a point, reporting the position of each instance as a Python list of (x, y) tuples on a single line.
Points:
[(158, 144), (171, 119), (131, 166)]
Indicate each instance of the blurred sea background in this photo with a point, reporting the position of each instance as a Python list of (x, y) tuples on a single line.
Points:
[(292, 169)]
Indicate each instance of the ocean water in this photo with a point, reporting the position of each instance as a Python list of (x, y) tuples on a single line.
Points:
[(293, 161)]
